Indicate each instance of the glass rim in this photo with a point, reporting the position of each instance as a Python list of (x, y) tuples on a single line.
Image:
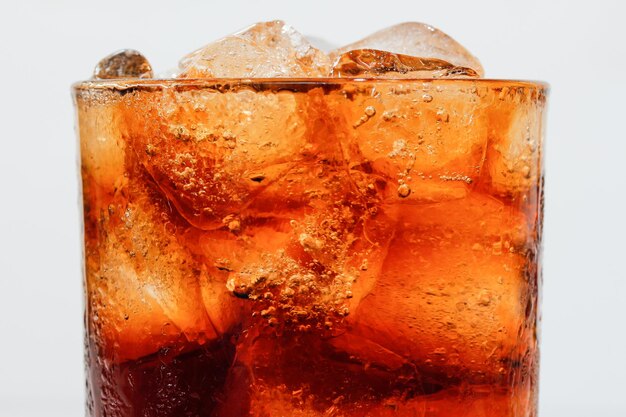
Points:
[(149, 83)]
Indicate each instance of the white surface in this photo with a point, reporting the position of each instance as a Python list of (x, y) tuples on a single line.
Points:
[(576, 46)]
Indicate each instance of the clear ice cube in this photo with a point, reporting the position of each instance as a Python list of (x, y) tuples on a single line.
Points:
[(417, 40), (263, 50)]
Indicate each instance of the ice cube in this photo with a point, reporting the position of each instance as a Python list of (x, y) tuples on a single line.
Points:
[(102, 148), (263, 50), (302, 375), (292, 272), (451, 294), (146, 288), (126, 63), (412, 143), (416, 40), (300, 267), (382, 64), (212, 153), (513, 158)]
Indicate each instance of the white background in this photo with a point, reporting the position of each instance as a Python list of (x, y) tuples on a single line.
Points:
[(578, 47)]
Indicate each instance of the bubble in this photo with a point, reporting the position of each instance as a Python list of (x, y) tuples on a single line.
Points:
[(370, 111), (234, 225), (404, 191)]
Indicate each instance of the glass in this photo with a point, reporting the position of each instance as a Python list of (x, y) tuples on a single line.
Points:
[(315, 247)]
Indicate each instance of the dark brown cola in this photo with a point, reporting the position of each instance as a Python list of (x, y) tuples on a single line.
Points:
[(311, 248)]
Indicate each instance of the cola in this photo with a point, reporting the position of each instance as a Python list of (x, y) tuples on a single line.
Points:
[(332, 247)]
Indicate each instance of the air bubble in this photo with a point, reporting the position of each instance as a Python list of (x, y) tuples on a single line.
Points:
[(404, 191)]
